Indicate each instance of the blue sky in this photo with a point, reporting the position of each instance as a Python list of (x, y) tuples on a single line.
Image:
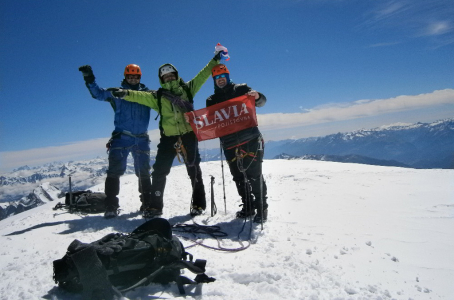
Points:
[(325, 66)]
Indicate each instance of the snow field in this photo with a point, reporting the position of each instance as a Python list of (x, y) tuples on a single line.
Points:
[(335, 231)]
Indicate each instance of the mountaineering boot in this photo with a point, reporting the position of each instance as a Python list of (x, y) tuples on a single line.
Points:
[(198, 200), (246, 211), (111, 212), (145, 200), (145, 191), (261, 217), (198, 204), (111, 189), (196, 211), (152, 205), (149, 213)]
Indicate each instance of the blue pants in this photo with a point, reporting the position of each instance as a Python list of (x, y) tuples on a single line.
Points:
[(120, 147)]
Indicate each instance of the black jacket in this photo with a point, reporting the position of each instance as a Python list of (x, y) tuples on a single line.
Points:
[(231, 91)]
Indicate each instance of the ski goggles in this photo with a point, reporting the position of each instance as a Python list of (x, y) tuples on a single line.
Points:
[(219, 76), (132, 77)]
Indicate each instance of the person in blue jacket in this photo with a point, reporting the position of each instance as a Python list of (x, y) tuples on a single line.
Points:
[(129, 136)]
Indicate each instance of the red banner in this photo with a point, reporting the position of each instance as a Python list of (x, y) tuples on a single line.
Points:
[(224, 118)]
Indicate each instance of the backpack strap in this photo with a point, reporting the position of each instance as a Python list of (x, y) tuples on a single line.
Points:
[(144, 280), (188, 91), (159, 96), (93, 275)]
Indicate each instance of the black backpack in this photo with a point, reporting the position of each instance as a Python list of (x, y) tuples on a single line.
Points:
[(121, 262), (84, 202)]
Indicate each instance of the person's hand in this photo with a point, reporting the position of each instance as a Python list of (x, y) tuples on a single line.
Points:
[(255, 94), (118, 93), (221, 53), (217, 56), (87, 72)]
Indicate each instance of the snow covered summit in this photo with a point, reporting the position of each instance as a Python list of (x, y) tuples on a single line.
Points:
[(335, 231)]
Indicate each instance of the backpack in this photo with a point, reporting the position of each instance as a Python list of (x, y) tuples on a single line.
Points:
[(84, 202), (120, 262)]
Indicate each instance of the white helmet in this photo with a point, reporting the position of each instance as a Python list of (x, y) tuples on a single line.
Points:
[(166, 70)]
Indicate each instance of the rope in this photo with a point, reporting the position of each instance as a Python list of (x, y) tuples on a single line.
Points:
[(212, 231)]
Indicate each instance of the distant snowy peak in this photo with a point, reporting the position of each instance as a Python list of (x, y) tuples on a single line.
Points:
[(26, 168), (438, 125), (407, 126), (44, 193), (419, 145), (53, 170), (47, 192), (394, 126)]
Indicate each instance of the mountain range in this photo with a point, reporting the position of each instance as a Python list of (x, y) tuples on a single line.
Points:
[(420, 145)]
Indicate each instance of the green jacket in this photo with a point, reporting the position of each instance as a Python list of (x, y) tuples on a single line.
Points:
[(172, 118)]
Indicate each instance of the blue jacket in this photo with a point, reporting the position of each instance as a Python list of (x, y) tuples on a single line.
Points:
[(129, 116)]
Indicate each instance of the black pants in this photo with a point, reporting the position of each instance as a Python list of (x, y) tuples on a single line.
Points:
[(161, 168), (247, 159)]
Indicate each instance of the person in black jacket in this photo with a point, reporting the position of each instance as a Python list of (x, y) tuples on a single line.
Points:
[(243, 149)]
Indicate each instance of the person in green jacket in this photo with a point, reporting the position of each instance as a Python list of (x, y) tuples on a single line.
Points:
[(171, 101)]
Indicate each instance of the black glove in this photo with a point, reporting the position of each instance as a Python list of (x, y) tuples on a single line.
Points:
[(217, 56), (87, 72), (118, 93)]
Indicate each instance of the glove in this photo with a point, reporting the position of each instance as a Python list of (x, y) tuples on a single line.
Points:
[(87, 72), (118, 93)]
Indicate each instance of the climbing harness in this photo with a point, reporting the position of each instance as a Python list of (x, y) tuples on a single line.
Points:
[(181, 151), (125, 132)]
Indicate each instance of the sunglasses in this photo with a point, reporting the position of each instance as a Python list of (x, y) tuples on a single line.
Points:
[(219, 76)]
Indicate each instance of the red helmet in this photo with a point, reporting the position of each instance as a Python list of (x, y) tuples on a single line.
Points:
[(219, 69), (133, 69)]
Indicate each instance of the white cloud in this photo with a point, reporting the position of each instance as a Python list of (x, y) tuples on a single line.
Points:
[(355, 110), (72, 151), (389, 10), (411, 19), (438, 28)]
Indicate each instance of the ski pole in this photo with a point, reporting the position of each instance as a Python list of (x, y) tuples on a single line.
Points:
[(70, 194), (260, 148), (261, 199), (213, 205), (223, 181)]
